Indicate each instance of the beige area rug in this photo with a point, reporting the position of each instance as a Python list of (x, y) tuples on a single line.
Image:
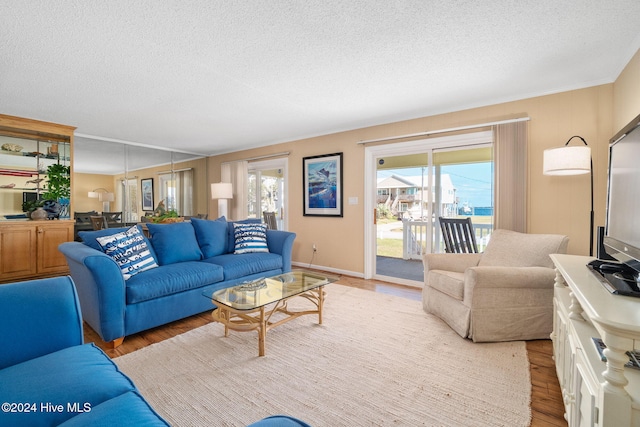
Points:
[(377, 360)]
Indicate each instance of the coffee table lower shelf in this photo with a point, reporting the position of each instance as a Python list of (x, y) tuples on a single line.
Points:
[(260, 318)]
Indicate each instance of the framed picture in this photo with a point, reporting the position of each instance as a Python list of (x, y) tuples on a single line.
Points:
[(322, 185), (147, 194)]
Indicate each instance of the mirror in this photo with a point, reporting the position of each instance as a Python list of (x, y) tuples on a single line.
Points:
[(134, 179)]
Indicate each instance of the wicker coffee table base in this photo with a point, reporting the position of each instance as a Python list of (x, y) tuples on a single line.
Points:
[(260, 318)]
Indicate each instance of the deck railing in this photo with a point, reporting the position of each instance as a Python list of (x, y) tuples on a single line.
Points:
[(415, 235)]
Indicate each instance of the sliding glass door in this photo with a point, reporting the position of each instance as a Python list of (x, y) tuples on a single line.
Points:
[(417, 183)]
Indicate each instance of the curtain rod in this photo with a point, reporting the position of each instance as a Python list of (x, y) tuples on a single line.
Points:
[(166, 172), (266, 156), (434, 132)]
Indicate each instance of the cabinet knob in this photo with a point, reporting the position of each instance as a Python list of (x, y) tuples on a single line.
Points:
[(40, 230)]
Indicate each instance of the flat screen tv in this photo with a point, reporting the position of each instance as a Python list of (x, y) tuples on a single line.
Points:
[(622, 231)]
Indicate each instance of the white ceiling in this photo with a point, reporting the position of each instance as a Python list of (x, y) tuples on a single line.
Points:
[(214, 76)]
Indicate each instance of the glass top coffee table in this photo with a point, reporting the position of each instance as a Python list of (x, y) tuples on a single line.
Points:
[(252, 305)]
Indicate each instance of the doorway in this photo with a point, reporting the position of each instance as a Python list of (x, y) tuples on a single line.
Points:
[(408, 186), (267, 189)]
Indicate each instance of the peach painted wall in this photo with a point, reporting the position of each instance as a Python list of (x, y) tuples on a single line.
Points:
[(555, 204), (626, 94)]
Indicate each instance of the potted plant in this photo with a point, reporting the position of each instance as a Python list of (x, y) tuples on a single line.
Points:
[(31, 205), (57, 190)]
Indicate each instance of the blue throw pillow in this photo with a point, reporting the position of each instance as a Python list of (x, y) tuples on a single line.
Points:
[(130, 251), (175, 242), (89, 237), (231, 244), (250, 238), (211, 236)]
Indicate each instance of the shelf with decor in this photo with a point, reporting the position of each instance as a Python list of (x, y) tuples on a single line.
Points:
[(35, 159)]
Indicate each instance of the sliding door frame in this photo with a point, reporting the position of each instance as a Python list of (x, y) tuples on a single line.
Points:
[(373, 153)]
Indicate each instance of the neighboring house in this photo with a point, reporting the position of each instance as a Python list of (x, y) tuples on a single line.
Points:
[(404, 196)]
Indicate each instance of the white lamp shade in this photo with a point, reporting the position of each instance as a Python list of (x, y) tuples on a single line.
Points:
[(566, 161), (93, 194), (222, 190)]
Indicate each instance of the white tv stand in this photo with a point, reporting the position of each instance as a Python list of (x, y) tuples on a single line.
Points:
[(595, 393)]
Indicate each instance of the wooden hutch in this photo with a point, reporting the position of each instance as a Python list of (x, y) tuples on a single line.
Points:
[(29, 248)]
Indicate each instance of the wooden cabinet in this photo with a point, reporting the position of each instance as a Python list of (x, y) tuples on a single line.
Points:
[(30, 153), (595, 393), (17, 251), (29, 249)]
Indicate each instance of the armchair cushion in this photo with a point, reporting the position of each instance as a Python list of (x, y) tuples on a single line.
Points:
[(448, 282), (512, 249)]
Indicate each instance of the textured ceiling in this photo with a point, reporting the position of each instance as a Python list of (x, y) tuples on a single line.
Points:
[(213, 76)]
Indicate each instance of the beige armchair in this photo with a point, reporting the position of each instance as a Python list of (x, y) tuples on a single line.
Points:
[(502, 294)]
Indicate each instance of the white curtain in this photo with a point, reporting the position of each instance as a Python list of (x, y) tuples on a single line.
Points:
[(237, 174), (184, 186), (510, 157), (176, 190)]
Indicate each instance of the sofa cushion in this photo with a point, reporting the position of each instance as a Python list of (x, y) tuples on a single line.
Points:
[(211, 236), (250, 238), (448, 282), (128, 409), (174, 242), (508, 248), (81, 374), (236, 266), (130, 251), (231, 236), (89, 238), (170, 279)]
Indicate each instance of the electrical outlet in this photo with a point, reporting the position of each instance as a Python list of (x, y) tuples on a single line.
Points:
[(314, 248)]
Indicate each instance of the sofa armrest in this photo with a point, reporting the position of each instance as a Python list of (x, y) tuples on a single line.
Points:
[(101, 288), (281, 242), (502, 279), (457, 263), (38, 317)]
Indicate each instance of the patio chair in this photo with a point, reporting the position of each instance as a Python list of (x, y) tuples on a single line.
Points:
[(458, 235), (270, 220)]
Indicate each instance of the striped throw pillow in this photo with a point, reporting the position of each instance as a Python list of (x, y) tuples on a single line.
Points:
[(250, 238), (129, 250)]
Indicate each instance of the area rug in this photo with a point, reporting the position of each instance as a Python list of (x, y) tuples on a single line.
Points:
[(377, 360)]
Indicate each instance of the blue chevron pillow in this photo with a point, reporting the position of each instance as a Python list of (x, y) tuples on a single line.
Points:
[(129, 250), (250, 238)]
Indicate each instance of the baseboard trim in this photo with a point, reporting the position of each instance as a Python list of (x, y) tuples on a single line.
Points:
[(329, 269)]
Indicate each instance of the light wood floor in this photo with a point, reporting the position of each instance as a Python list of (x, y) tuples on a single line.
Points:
[(546, 398)]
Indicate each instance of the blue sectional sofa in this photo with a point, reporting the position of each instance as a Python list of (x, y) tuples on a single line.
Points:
[(191, 256), (48, 376)]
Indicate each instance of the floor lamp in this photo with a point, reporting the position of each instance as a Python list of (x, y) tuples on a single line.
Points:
[(104, 196), (571, 161), (222, 191)]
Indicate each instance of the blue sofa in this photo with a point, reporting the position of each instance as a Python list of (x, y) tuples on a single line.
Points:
[(48, 376), (191, 256)]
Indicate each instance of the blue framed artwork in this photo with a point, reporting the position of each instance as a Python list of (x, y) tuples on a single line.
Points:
[(322, 185), (147, 194)]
